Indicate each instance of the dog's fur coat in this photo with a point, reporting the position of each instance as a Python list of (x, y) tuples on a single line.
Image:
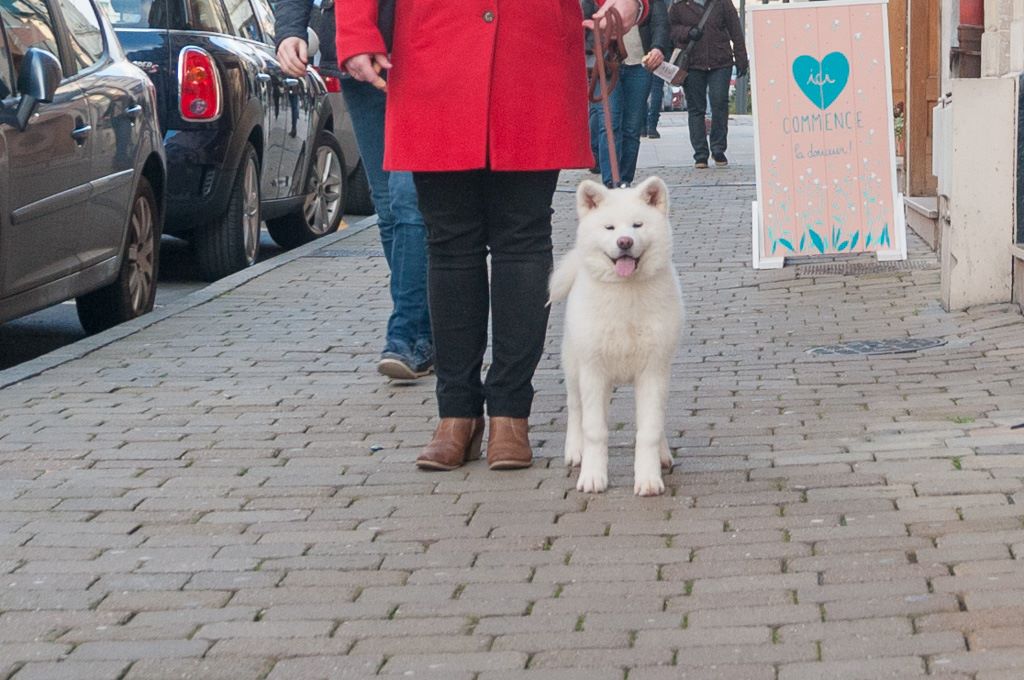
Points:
[(623, 319)]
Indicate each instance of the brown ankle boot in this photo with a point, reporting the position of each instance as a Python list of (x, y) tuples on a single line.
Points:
[(508, 444), (455, 441)]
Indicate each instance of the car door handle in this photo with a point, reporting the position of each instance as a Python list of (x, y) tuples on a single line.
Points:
[(291, 82), (79, 134), (263, 77), (133, 111)]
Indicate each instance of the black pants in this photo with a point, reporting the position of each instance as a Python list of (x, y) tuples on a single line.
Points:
[(698, 87), (469, 215)]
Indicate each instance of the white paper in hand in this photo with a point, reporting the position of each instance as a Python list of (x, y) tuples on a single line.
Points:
[(666, 71)]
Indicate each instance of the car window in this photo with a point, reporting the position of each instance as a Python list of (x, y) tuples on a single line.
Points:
[(85, 38), (266, 19), (6, 75), (208, 15), (28, 24), (137, 13), (243, 19)]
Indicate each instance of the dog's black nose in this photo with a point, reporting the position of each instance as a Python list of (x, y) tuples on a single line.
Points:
[(624, 243)]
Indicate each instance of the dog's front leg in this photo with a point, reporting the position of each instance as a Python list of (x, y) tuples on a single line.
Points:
[(595, 393), (651, 397)]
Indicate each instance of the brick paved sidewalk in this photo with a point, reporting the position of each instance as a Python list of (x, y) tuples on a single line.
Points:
[(230, 493)]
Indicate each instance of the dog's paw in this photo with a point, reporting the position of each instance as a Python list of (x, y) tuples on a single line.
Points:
[(573, 456), (592, 482), (651, 486)]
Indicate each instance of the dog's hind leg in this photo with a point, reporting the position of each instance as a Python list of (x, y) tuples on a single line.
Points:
[(574, 429), (595, 393), (651, 397)]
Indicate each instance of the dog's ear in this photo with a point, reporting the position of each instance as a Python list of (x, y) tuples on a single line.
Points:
[(589, 195), (654, 193)]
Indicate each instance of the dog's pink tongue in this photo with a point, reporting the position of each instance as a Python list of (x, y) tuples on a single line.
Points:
[(625, 266)]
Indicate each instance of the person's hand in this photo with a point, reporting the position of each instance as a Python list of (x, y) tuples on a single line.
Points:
[(742, 70), (653, 59), (293, 55), (367, 68), (629, 10)]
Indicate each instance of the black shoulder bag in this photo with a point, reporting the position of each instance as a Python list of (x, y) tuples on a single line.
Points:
[(682, 60)]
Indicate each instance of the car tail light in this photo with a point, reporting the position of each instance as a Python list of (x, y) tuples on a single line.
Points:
[(198, 85), (331, 82)]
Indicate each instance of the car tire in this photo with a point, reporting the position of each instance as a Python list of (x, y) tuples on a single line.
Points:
[(359, 200), (321, 210), (232, 243), (132, 293)]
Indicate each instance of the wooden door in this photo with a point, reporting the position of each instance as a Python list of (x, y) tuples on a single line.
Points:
[(898, 49), (924, 46)]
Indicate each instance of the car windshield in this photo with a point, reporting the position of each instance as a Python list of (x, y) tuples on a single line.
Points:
[(136, 13)]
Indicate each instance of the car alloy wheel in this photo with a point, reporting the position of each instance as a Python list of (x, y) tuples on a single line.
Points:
[(132, 293), (251, 211), (324, 200), (141, 256)]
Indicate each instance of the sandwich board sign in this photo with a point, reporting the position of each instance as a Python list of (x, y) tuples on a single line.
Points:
[(823, 128)]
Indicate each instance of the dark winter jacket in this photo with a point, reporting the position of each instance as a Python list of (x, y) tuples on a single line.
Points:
[(293, 16), (722, 44), (654, 30)]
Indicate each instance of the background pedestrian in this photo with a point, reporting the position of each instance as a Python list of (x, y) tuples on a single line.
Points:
[(646, 46), (718, 46), (657, 95), (408, 347)]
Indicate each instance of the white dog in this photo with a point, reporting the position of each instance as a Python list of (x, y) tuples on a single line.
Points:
[(622, 324)]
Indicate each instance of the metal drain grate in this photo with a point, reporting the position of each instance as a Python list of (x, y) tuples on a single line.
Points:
[(348, 252), (855, 268), (865, 347)]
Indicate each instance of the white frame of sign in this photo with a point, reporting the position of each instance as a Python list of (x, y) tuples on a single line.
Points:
[(899, 246)]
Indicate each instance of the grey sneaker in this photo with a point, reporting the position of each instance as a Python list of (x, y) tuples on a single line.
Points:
[(397, 367)]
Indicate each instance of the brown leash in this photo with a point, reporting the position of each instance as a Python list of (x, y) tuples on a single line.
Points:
[(608, 53)]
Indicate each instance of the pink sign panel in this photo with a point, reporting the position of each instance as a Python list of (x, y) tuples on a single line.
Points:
[(826, 175)]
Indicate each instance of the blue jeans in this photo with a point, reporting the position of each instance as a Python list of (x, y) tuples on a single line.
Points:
[(402, 232), (654, 100), (628, 113), (595, 130)]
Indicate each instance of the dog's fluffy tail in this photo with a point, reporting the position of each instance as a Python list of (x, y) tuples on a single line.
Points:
[(563, 277)]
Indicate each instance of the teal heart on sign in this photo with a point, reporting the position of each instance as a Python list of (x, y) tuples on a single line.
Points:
[(822, 81)]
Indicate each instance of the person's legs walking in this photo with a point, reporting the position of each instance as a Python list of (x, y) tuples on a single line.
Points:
[(654, 100), (615, 104), (718, 93), (409, 268), (453, 207), (695, 89), (366, 109), (396, 215), (635, 82), (595, 136), (519, 228)]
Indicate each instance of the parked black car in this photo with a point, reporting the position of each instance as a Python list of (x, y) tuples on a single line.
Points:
[(245, 142), (82, 169)]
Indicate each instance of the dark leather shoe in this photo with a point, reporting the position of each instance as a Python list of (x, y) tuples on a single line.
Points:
[(455, 441), (508, 444)]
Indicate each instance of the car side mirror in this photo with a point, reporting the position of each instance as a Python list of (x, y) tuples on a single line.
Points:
[(38, 78)]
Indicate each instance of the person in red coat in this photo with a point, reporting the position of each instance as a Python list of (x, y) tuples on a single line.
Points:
[(487, 101)]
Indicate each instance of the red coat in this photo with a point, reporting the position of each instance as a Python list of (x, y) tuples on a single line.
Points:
[(478, 83)]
